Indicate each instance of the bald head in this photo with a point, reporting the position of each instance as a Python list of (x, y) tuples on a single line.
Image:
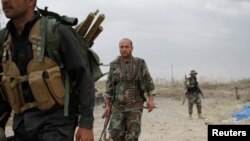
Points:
[(126, 48), (126, 40)]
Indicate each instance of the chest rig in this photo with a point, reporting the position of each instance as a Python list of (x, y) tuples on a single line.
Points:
[(194, 83), (43, 75), (127, 76)]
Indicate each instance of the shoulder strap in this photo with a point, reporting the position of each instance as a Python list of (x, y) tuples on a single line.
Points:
[(52, 40), (3, 37), (52, 43), (138, 62), (62, 19), (46, 29)]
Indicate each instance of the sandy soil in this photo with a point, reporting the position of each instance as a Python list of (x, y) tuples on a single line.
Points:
[(169, 121)]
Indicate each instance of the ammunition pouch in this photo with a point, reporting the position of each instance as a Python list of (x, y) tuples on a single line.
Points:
[(43, 76), (11, 87), (46, 84), (13, 91)]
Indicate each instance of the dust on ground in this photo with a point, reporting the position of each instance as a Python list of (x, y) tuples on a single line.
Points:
[(169, 121)]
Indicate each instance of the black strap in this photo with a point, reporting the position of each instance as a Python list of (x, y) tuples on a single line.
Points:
[(62, 19), (3, 37)]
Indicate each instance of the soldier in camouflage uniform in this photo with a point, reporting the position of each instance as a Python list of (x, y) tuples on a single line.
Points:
[(193, 94), (128, 79)]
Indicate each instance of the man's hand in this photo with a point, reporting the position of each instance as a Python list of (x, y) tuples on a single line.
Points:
[(84, 134), (150, 103), (107, 108), (107, 111), (202, 95)]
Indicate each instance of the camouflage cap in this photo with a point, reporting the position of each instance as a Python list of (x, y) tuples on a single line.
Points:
[(193, 72)]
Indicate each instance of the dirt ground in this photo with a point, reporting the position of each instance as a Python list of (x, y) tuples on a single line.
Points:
[(169, 121)]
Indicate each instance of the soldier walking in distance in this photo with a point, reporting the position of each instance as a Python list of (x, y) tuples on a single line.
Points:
[(128, 79), (193, 94)]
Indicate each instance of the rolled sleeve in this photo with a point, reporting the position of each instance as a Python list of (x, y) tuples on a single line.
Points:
[(151, 93)]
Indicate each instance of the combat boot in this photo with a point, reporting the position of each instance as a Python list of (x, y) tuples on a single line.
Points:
[(200, 116)]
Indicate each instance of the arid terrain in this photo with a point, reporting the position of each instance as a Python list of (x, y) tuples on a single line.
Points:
[(169, 121)]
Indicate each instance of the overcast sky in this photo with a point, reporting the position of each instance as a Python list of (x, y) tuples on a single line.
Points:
[(210, 36)]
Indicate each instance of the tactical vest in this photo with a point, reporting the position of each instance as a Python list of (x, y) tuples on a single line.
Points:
[(195, 88), (138, 77), (43, 73)]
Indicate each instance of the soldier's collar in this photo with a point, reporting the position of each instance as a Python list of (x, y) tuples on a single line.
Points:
[(126, 60)]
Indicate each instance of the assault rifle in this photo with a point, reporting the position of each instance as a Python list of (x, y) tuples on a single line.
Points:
[(106, 122), (200, 92), (107, 115), (185, 96), (196, 86)]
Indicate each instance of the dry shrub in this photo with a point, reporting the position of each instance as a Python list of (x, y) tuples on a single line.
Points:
[(100, 86), (210, 89), (213, 89)]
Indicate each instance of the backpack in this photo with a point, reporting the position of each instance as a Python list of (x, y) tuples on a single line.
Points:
[(86, 41), (49, 22)]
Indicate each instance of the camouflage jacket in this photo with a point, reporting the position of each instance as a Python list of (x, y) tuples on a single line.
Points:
[(192, 85), (127, 93)]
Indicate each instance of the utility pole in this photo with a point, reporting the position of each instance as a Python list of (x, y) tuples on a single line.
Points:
[(172, 74)]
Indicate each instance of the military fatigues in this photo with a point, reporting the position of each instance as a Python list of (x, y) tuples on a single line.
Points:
[(126, 84), (193, 95)]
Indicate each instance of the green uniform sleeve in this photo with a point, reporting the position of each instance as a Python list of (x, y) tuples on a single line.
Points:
[(147, 80), (109, 84)]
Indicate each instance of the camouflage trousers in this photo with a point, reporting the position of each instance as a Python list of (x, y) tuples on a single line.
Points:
[(194, 98), (125, 126)]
